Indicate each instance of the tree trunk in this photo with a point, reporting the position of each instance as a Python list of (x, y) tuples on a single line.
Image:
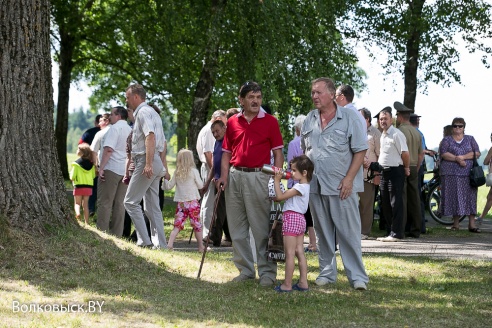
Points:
[(67, 45), (413, 48), (32, 193), (205, 86)]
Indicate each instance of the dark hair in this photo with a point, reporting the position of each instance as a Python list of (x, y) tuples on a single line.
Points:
[(217, 122), (137, 89), (303, 163), (121, 111), (96, 120), (367, 113), (447, 130), (459, 120), (347, 91), (247, 87)]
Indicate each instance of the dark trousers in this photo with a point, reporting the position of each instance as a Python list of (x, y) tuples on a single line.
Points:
[(392, 199), (93, 198), (411, 203), (422, 170), (220, 223), (379, 208)]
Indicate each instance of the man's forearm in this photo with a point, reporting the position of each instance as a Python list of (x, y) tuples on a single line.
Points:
[(149, 148), (225, 164), (278, 158)]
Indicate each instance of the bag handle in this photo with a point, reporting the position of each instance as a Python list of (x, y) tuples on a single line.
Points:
[(475, 163)]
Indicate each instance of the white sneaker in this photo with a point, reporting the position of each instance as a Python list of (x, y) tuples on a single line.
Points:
[(389, 239), (321, 281), (363, 237), (359, 285)]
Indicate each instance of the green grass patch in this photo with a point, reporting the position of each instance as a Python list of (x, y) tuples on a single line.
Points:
[(145, 288)]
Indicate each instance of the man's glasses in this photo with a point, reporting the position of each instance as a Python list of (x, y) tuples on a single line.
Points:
[(457, 126)]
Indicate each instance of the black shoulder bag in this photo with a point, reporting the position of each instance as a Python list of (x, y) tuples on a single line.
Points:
[(477, 177)]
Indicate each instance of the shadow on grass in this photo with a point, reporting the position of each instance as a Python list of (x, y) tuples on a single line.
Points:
[(145, 287)]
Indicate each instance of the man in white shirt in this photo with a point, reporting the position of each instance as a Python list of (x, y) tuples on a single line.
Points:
[(395, 160), (111, 189)]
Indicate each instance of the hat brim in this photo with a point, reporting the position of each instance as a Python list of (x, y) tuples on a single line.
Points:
[(402, 108)]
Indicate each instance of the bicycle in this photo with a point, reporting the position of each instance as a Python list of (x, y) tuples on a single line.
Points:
[(431, 190)]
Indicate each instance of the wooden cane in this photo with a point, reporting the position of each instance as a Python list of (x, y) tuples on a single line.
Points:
[(214, 216)]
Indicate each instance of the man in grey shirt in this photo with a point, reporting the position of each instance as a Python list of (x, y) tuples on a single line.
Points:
[(147, 147), (333, 139)]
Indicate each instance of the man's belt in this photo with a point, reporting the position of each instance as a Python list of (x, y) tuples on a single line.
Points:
[(247, 169), (389, 168)]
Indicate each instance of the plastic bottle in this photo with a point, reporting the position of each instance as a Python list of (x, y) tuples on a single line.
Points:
[(269, 169)]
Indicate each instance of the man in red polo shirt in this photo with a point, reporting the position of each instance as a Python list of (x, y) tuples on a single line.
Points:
[(250, 136)]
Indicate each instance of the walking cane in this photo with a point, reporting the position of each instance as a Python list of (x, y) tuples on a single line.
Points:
[(214, 216)]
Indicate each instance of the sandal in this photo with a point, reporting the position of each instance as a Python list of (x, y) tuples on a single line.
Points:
[(454, 228), (474, 230), (279, 289), (299, 288)]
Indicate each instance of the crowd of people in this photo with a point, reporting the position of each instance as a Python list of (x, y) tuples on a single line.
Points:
[(331, 193)]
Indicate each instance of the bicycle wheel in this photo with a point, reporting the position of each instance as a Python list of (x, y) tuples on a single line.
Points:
[(434, 205)]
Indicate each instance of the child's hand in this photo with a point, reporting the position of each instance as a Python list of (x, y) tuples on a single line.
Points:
[(278, 174)]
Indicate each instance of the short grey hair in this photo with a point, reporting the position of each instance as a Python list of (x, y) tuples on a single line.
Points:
[(298, 121), (218, 114)]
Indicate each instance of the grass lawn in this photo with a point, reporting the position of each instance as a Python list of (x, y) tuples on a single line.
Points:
[(77, 265)]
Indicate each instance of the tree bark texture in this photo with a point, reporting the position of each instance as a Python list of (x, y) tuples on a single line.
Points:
[(32, 193), (413, 47), (205, 86)]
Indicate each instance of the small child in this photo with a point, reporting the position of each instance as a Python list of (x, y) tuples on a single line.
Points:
[(82, 175), (188, 182), (294, 223)]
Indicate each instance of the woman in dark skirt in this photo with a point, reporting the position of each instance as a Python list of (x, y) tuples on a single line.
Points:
[(458, 198)]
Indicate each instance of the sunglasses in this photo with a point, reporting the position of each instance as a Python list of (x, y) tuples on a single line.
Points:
[(457, 126)]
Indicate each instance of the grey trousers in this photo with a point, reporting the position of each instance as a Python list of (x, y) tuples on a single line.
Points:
[(248, 206), (110, 209), (147, 189), (207, 204), (331, 214)]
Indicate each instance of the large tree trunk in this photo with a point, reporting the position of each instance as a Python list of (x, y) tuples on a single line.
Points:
[(32, 193), (413, 47), (67, 45), (205, 85)]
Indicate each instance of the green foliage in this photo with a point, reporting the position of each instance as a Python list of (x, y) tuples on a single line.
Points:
[(281, 44), (439, 25)]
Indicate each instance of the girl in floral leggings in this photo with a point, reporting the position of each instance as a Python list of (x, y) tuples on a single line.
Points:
[(188, 182)]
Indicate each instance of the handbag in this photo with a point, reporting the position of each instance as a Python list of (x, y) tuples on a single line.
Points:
[(275, 246), (477, 176), (488, 180)]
